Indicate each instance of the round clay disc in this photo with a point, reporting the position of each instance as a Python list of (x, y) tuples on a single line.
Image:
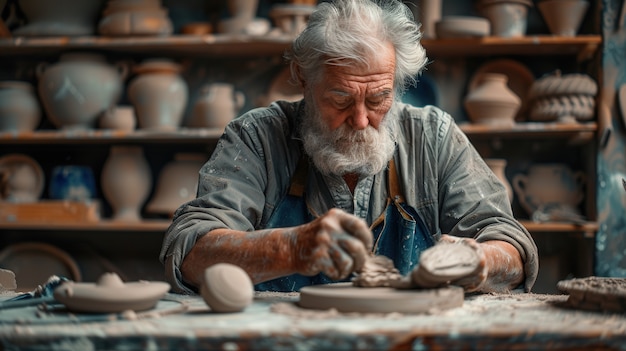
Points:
[(345, 297), (110, 295), (445, 262)]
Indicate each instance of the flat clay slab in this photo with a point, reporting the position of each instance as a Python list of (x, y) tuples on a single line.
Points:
[(595, 293), (345, 297)]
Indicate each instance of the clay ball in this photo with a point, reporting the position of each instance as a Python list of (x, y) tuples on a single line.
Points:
[(227, 288)]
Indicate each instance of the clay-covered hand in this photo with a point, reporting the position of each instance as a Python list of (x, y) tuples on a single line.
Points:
[(453, 260), (335, 244)]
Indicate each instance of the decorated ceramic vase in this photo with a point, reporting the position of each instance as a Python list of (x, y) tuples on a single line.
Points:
[(216, 105), (19, 108), (492, 102), (126, 181), (159, 95), (549, 184), (77, 89)]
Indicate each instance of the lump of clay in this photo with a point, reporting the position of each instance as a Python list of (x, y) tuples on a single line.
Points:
[(377, 271), (445, 263), (227, 288)]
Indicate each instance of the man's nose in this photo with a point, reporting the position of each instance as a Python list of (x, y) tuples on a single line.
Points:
[(359, 119)]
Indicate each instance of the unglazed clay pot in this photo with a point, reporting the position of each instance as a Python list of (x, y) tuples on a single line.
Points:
[(59, 18), (498, 167), (177, 184), (242, 13), (159, 94), (120, 117), (126, 181), (135, 17), (563, 17), (508, 18), (216, 106), (549, 184), (492, 102), (21, 178), (76, 90), (19, 107)]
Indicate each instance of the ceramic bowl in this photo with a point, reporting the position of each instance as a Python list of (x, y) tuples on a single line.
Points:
[(462, 27)]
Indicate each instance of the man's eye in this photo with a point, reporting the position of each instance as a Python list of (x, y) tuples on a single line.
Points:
[(342, 103), (376, 102)]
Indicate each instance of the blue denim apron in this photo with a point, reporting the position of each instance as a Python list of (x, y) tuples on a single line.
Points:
[(399, 233)]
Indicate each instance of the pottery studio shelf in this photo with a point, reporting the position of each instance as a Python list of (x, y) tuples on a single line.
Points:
[(101, 136), (579, 132), (221, 45)]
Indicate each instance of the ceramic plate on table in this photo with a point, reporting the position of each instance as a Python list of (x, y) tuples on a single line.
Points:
[(35, 262)]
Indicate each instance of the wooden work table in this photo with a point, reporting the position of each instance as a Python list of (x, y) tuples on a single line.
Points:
[(275, 322)]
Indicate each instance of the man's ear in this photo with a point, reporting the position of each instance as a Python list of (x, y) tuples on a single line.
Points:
[(297, 76)]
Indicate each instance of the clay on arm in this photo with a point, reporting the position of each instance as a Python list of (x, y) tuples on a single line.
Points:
[(504, 265), (264, 254)]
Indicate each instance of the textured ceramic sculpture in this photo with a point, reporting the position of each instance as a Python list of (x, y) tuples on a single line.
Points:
[(126, 181), (492, 102), (565, 98), (498, 166), (177, 183), (19, 107), (563, 17), (76, 90), (59, 18), (159, 94), (549, 185), (216, 105), (508, 17)]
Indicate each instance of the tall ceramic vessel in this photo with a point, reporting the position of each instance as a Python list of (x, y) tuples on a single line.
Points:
[(19, 108), (76, 90), (498, 167), (126, 182), (216, 106), (159, 95)]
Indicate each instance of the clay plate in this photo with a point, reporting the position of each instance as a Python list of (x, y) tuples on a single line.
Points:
[(345, 297), (110, 295)]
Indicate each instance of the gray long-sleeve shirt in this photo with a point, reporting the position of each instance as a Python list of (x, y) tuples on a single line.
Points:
[(441, 175)]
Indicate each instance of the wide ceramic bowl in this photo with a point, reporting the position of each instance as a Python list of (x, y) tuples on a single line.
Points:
[(462, 27)]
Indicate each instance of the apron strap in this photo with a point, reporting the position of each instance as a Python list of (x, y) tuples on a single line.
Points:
[(298, 179), (394, 186)]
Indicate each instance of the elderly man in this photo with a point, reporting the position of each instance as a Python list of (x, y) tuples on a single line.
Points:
[(302, 193)]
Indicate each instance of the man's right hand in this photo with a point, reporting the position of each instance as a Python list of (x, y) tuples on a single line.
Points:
[(335, 244)]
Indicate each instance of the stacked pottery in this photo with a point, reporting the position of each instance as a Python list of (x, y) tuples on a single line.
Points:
[(19, 107), (159, 95), (508, 17), (216, 106), (59, 18), (177, 184), (491, 102), (568, 98), (135, 17), (76, 90), (126, 182)]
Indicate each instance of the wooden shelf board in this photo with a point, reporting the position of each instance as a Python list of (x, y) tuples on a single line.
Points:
[(588, 229), (103, 225), (95, 136), (530, 129), (222, 45)]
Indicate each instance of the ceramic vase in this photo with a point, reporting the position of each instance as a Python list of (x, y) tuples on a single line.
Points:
[(177, 183), (59, 18), (549, 184), (21, 179), (126, 182), (508, 18), (427, 13), (159, 95), (216, 105), (492, 102), (563, 17), (498, 167), (19, 107), (135, 18), (76, 90)]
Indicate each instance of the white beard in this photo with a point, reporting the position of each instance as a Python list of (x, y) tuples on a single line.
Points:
[(344, 150)]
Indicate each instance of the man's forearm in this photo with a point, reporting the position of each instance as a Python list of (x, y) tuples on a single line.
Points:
[(505, 266)]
